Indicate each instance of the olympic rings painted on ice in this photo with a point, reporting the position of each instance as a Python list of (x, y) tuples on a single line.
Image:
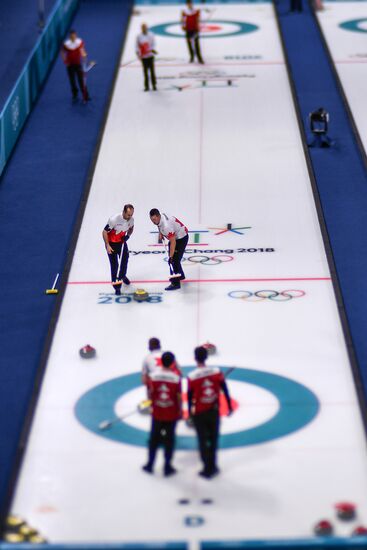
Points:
[(206, 260), (260, 295)]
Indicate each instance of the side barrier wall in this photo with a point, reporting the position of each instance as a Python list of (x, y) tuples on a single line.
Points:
[(26, 90)]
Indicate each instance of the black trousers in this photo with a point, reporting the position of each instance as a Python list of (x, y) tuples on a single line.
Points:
[(192, 39), (296, 5), (162, 433), (148, 66), (207, 429), (76, 75), (177, 257), (114, 259)]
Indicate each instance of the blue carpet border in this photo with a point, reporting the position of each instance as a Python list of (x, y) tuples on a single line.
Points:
[(357, 136), (302, 115), (11, 454)]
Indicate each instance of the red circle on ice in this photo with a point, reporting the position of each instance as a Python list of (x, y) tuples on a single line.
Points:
[(210, 28)]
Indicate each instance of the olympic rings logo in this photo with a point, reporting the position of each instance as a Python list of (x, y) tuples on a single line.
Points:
[(206, 260), (260, 295)]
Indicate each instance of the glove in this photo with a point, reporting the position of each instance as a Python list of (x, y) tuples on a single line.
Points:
[(170, 261), (126, 238), (230, 412)]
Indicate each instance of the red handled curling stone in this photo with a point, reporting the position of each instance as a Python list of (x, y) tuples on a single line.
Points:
[(87, 352), (323, 528), (210, 348), (345, 511), (360, 531)]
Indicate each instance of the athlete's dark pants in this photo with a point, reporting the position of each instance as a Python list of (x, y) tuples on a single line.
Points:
[(296, 5), (76, 75), (176, 259), (114, 262), (192, 37), (148, 65), (207, 429), (162, 433)]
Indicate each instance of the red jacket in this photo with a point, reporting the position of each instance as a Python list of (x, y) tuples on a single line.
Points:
[(165, 392), (205, 385), (191, 20), (73, 51)]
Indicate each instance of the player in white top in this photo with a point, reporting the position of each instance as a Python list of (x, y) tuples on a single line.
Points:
[(115, 234), (152, 360), (177, 234), (145, 44)]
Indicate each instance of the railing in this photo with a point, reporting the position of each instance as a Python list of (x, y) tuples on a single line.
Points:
[(27, 88)]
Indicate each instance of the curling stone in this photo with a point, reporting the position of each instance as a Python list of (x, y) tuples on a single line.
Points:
[(13, 538), (345, 511), (14, 523), (323, 528), (87, 352), (140, 295), (145, 407), (210, 348), (27, 531), (360, 531), (37, 539)]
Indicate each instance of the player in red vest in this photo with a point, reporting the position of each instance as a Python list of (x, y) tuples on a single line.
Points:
[(115, 235), (73, 54), (176, 233), (204, 387), (145, 44), (190, 19), (165, 393)]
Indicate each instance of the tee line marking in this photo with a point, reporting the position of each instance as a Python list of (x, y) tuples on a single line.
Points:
[(239, 280)]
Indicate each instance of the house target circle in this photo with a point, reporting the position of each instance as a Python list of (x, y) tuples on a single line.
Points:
[(355, 25), (298, 406), (215, 28)]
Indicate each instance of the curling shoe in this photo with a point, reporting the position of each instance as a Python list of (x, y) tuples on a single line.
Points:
[(173, 287), (169, 471)]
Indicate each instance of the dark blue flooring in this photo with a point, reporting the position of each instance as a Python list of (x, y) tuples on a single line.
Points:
[(40, 194), (19, 32), (340, 173)]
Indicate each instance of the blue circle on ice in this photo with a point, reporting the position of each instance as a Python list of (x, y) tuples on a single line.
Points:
[(241, 28), (354, 25), (298, 406)]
